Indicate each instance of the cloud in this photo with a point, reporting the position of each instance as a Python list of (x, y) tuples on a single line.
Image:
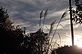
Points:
[(26, 13), (23, 11)]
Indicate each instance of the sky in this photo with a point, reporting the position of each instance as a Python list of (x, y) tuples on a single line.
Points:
[(26, 14)]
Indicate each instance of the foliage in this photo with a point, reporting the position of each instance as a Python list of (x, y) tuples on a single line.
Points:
[(38, 42), (3, 15), (77, 14), (13, 40)]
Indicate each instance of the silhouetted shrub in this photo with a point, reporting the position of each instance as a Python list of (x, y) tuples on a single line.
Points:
[(67, 50)]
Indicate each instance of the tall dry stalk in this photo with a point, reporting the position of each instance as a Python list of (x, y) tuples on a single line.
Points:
[(45, 15), (41, 15), (63, 15), (50, 31), (51, 28)]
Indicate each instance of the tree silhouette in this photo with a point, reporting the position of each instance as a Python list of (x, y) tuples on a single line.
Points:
[(9, 39), (3, 15), (37, 42), (13, 40)]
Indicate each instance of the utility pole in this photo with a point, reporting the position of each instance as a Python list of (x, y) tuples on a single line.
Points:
[(24, 30), (72, 34)]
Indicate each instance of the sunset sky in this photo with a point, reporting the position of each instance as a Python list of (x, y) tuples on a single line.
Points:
[(26, 13)]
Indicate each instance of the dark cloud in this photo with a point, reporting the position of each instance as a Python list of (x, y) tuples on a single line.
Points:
[(28, 10), (26, 13)]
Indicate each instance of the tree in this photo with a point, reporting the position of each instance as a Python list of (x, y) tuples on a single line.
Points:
[(37, 42), (5, 21), (3, 15), (10, 39), (15, 41)]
